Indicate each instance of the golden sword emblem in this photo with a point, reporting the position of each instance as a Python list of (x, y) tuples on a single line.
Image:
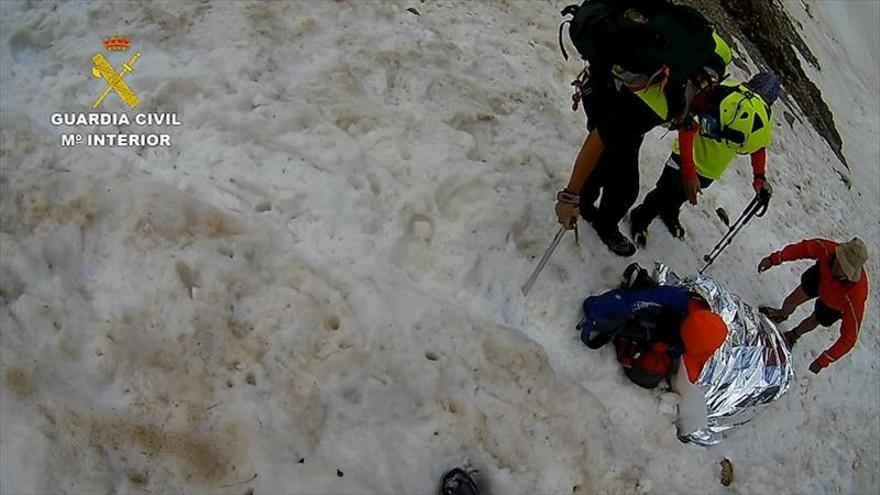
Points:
[(104, 70)]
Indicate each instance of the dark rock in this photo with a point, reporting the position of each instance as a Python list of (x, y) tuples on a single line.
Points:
[(769, 35)]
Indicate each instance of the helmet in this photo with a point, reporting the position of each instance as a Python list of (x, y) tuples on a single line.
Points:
[(744, 119), (767, 85)]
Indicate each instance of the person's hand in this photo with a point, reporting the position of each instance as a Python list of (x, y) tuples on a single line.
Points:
[(765, 264), (567, 214), (815, 367), (691, 188), (759, 183)]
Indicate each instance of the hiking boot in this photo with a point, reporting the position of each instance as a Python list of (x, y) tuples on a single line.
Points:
[(673, 225), (640, 237), (775, 315), (638, 227), (616, 242)]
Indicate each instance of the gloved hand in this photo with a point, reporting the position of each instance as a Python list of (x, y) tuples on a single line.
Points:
[(568, 209), (691, 188), (567, 214), (815, 367), (765, 264), (759, 182)]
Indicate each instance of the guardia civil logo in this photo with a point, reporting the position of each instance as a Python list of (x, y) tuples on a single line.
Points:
[(102, 69), (140, 130)]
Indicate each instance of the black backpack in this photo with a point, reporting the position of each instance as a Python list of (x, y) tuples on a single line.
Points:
[(640, 36)]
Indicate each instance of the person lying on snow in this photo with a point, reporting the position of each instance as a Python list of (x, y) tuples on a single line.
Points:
[(839, 281), (732, 119), (651, 326)]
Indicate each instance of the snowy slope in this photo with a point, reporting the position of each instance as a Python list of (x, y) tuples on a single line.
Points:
[(317, 288)]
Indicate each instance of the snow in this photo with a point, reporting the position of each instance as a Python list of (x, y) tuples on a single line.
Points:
[(319, 283)]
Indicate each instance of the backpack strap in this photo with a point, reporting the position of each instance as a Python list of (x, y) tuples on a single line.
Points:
[(561, 46), (568, 10)]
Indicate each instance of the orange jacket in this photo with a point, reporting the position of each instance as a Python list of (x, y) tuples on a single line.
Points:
[(847, 297)]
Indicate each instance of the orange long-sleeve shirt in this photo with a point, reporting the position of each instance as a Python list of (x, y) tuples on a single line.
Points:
[(847, 297)]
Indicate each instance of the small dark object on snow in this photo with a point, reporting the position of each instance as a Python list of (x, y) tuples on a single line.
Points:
[(302, 460), (722, 214), (413, 10), (458, 482), (726, 472), (339, 473)]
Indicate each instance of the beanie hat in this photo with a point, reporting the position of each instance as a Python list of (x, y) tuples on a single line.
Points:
[(767, 85), (851, 256), (702, 333)]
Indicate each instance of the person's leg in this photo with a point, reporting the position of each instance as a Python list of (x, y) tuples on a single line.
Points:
[(794, 300), (619, 192), (806, 326), (622, 132), (671, 208), (808, 289), (622, 186), (590, 191), (666, 191), (822, 315)]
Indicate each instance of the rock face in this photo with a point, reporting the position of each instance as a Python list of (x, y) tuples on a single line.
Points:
[(771, 37)]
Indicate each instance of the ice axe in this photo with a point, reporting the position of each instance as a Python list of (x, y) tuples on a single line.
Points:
[(757, 207), (526, 288)]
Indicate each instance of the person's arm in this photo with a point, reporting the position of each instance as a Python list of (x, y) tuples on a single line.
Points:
[(686, 137), (759, 166), (849, 334), (568, 201), (585, 162), (812, 249)]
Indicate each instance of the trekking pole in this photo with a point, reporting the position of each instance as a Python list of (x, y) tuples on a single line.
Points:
[(756, 207), (526, 288)]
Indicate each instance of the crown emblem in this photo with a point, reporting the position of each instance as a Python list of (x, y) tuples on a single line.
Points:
[(116, 43)]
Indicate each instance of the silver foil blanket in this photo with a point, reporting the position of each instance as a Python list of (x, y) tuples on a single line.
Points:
[(751, 369)]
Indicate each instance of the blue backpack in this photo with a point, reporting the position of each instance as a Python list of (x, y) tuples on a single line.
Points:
[(644, 316)]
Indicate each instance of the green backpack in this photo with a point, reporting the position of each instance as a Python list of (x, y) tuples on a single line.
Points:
[(642, 37)]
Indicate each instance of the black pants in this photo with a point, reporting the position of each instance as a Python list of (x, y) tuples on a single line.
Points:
[(666, 198), (825, 315), (622, 120)]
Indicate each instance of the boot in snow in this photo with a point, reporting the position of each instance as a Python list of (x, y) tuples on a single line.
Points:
[(640, 237), (616, 242), (673, 225), (638, 226), (791, 337)]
